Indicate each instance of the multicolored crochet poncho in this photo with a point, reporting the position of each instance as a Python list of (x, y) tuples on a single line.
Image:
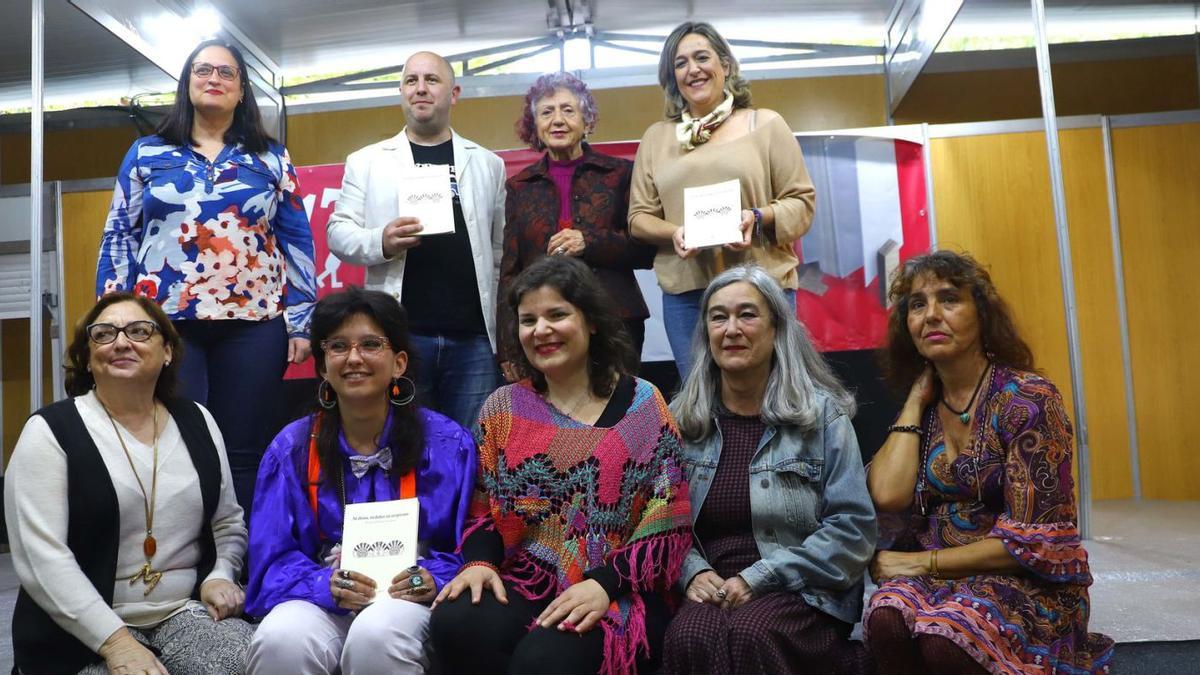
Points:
[(566, 498)]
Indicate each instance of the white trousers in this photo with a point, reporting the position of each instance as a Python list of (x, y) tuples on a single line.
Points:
[(389, 636)]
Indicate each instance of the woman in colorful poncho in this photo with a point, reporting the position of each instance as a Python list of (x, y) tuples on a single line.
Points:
[(991, 576), (580, 520)]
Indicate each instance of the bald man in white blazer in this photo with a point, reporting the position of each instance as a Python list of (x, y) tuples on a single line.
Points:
[(447, 282)]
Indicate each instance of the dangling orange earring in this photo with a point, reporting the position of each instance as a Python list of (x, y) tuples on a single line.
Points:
[(397, 396)]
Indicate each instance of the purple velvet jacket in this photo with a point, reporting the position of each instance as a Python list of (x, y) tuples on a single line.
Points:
[(286, 544)]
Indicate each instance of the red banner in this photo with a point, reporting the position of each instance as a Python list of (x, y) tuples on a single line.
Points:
[(844, 314)]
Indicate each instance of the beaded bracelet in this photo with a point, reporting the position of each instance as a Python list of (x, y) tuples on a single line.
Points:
[(479, 563), (906, 428)]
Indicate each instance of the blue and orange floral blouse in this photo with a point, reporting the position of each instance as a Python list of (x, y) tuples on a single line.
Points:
[(228, 239)]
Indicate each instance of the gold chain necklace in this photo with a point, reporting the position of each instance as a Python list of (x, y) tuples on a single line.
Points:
[(579, 402), (148, 575)]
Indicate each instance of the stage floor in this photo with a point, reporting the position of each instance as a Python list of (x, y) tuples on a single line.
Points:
[(1145, 558)]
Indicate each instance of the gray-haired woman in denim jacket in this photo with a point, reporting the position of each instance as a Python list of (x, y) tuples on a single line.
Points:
[(784, 525)]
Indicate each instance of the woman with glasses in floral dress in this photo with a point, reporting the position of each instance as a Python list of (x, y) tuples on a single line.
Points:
[(206, 220)]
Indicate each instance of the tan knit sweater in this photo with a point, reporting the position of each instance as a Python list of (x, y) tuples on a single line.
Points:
[(771, 169)]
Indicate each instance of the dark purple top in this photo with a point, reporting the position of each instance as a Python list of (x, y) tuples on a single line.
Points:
[(723, 526), (287, 542), (561, 173)]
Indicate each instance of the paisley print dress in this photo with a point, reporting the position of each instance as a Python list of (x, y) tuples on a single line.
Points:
[(1012, 481)]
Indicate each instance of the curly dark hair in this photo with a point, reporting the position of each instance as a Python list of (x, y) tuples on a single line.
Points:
[(610, 350), (544, 86), (79, 379), (407, 439), (900, 360), (247, 127)]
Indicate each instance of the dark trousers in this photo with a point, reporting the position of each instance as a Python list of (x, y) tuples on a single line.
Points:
[(235, 369), (495, 638), (637, 335)]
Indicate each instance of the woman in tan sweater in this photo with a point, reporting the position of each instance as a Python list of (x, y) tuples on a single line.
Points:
[(713, 135)]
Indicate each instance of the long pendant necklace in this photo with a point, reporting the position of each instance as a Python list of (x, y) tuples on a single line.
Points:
[(964, 415), (147, 574)]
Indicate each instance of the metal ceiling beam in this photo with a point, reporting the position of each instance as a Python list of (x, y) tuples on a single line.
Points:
[(1059, 198), (798, 51), (492, 65), (833, 49), (353, 81), (36, 198), (913, 33)]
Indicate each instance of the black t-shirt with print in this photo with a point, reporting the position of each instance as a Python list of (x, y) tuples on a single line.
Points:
[(440, 290)]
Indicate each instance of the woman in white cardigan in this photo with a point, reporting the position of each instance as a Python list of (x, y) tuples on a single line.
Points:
[(125, 532)]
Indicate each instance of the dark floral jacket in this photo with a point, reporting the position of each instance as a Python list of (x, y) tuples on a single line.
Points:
[(600, 209)]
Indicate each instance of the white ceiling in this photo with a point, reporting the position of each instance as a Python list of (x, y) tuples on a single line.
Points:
[(84, 62)]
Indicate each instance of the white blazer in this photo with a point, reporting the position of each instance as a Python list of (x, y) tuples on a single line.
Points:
[(369, 201)]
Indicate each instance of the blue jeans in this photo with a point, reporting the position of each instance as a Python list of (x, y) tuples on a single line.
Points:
[(455, 374), (681, 313), (235, 369)]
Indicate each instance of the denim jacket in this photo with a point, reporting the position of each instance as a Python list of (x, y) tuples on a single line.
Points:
[(813, 520)]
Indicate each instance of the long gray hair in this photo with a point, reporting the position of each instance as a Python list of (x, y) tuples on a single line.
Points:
[(798, 371)]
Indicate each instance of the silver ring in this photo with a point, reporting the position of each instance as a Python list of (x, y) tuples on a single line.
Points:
[(721, 593), (416, 581), (345, 574), (560, 250), (345, 583)]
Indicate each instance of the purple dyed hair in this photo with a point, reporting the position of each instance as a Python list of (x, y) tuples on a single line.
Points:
[(545, 86)]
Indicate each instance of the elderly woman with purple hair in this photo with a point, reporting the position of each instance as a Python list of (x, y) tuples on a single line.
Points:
[(575, 200)]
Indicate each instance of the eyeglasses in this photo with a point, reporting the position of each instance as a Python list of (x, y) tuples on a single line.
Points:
[(227, 73), (106, 333), (370, 345)]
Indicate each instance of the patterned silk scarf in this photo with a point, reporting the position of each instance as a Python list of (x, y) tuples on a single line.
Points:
[(692, 131)]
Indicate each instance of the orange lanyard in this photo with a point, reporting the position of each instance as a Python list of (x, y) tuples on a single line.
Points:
[(408, 482)]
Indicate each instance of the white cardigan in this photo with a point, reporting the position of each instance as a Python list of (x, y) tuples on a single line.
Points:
[(35, 508), (369, 201)]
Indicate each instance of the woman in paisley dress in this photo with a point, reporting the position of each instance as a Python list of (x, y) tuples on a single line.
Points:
[(207, 221), (989, 573)]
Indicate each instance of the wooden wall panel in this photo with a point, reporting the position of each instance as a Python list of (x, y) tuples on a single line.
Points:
[(807, 104), (83, 215), (14, 360), (999, 210), (1159, 204), (1114, 87), (83, 220), (70, 154), (1099, 325), (993, 201)]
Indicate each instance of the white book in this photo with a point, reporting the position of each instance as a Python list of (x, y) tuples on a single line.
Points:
[(712, 214), (379, 539), (425, 194)]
